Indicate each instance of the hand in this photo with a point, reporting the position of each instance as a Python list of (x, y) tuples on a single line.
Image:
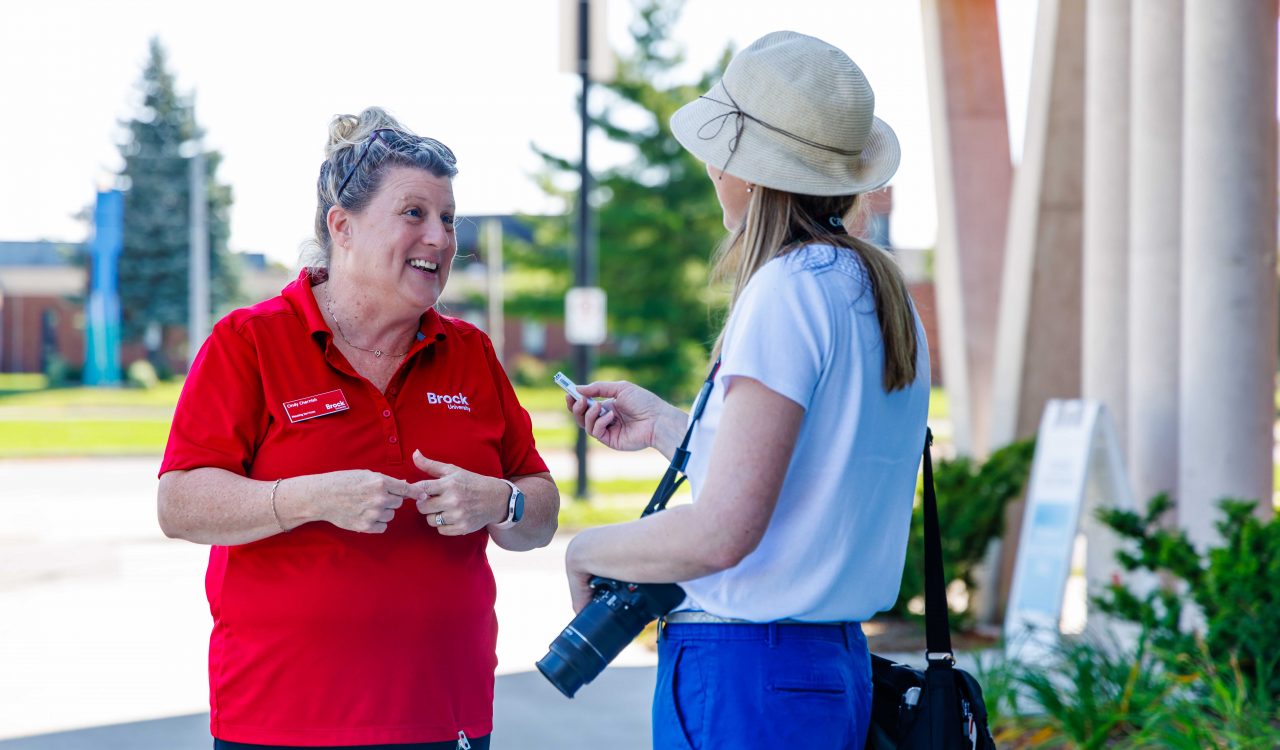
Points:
[(580, 591), (463, 500), (359, 500), (634, 420)]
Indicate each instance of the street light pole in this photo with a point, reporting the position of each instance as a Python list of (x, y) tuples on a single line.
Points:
[(198, 264), (584, 268)]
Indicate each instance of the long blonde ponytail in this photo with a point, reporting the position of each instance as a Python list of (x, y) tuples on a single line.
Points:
[(778, 222)]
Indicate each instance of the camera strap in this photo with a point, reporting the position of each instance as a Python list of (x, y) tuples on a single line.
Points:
[(675, 476)]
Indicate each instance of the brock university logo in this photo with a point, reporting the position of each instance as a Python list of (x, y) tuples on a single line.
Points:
[(456, 402)]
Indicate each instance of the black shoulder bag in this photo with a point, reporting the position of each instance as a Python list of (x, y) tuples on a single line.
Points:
[(940, 708)]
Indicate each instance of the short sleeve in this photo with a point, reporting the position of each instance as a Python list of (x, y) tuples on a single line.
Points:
[(221, 412), (779, 332), (519, 456)]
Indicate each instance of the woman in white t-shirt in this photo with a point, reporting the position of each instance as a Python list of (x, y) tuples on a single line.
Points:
[(804, 462)]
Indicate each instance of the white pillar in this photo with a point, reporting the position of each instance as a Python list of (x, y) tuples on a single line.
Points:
[(1155, 240), (1039, 335), (973, 177), (1104, 351), (1228, 354)]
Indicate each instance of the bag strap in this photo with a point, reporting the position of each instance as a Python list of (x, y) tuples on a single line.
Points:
[(675, 475), (937, 631)]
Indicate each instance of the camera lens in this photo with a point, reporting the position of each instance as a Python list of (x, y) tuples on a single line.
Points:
[(587, 645), (614, 617), (570, 663)]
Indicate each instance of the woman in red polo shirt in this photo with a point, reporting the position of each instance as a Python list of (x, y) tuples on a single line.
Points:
[(349, 452)]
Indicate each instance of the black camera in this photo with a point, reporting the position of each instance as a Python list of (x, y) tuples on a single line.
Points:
[(618, 610), (614, 617)]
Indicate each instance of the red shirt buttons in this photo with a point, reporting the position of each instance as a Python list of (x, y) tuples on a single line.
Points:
[(386, 412), (393, 440)]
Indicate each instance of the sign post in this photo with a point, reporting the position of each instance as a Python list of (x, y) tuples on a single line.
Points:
[(585, 46)]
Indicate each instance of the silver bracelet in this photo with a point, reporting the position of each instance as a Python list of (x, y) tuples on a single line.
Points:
[(275, 512)]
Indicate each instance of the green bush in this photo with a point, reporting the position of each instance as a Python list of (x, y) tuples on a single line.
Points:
[(1202, 679), (1234, 585), (971, 507), (527, 370), (1097, 693), (60, 373), (1213, 708), (141, 374)]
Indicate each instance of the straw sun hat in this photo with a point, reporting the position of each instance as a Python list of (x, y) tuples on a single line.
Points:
[(792, 113)]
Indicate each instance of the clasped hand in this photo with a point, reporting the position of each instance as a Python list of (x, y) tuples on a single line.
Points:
[(454, 501)]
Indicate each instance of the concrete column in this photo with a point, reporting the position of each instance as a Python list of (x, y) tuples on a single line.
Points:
[(1155, 242), (1039, 335), (1038, 346), (1228, 342), (973, 178), (1104, 355)]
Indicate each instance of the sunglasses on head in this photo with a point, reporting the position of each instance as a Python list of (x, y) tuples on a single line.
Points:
[(386, 134)]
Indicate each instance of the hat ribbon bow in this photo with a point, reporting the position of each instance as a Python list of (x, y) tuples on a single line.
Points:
[(740, 122)]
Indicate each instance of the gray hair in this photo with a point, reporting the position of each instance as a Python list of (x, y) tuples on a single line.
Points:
[(358, 155)]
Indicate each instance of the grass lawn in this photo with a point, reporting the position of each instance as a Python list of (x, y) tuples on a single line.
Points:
[(36, 420), (612, 501), (84, 437)]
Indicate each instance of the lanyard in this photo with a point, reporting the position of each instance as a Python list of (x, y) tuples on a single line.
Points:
[(675, 475)]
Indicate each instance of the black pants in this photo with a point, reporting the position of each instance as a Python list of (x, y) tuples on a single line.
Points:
[(477, 743)]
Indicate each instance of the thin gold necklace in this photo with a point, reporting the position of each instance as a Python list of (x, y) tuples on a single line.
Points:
[(375, 352)]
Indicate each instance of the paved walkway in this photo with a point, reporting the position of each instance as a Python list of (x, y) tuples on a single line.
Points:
[(104, 626), (103, 621), (529, 714)]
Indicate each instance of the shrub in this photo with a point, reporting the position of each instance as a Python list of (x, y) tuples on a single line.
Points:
[(527, 371), (60, 372), (971, 507), (1235, 586), (1191, 679), (141, 374)]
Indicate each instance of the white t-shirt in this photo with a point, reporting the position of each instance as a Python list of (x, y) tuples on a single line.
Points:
[(806, 327)]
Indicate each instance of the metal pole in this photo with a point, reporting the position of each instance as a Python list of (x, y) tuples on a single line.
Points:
[(493, 262), (584, 275), (198, 266)]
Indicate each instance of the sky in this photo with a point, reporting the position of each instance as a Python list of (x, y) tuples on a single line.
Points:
[(480, 75)]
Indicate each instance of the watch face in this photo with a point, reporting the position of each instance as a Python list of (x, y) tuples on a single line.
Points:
[(518, 511)]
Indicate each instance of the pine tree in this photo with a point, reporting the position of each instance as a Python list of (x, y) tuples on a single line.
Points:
[(658, 221), (153, 266)]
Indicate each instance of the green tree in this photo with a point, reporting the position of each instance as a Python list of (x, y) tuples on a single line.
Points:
[(657, 217), (161, 139)]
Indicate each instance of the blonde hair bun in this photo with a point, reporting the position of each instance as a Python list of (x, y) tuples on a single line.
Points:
[(350, 131)]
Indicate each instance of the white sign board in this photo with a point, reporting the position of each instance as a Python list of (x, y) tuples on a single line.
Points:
[(584, 315), (1077, 469)]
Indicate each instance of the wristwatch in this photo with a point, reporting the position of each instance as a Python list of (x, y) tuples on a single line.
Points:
[(515, 506)]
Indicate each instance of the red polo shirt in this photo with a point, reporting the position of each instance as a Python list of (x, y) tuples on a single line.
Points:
[(323, 636)]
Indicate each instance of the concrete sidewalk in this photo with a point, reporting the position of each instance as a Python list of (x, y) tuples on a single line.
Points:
[(529, 714), (104, 626)]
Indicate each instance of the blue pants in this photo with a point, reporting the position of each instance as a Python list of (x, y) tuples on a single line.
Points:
[(761, 686)]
